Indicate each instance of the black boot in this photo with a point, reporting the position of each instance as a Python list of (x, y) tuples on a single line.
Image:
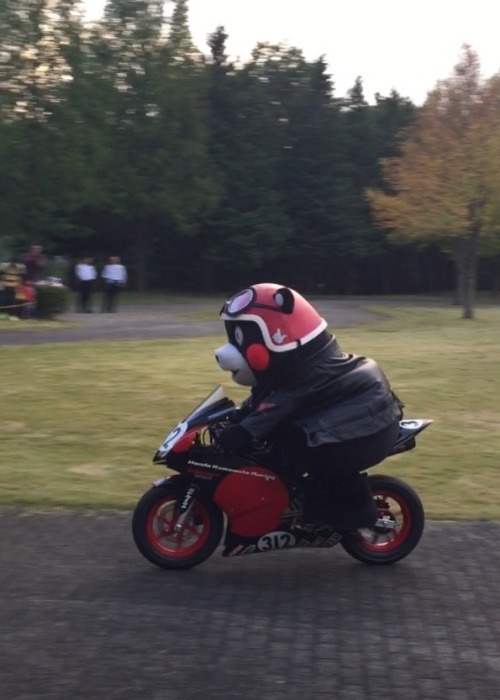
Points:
[(347, 505), (355, 518)]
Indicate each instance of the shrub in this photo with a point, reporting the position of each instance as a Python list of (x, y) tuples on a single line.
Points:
[(51, 300)]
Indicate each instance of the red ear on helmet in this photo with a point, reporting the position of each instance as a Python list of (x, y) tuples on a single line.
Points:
[(258, 357)]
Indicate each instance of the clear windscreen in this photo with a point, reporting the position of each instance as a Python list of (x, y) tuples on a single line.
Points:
[(215, 395)]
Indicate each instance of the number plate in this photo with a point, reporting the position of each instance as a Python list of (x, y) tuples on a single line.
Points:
[(276, 540), (172, 439)]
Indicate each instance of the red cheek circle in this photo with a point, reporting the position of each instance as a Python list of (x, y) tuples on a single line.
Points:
[(258, 357)]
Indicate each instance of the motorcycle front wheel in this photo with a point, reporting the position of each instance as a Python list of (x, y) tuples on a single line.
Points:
[(399, 527), (154, 533)]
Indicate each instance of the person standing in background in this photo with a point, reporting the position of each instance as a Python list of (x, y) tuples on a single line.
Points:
[(35, 263), (115, 277), (12, 274), (85, 273), (27, 296)]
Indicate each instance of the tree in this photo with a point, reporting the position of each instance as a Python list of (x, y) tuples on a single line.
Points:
[(249, 229), (33, 34), (445, 184), (161, 184), (311, 177)]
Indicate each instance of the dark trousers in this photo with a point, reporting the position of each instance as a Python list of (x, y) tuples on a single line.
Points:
[(85, 295), (337, 467), (110, 297)]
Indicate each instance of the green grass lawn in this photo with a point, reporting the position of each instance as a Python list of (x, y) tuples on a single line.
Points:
[(80, 421), (33, 324)]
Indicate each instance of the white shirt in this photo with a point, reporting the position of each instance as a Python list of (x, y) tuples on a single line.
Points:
[(115, 273), (85, 272)]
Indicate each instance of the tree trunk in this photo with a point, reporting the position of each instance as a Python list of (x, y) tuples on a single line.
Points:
[(459, 292), (469, 293), (467, 275), (459, 257)]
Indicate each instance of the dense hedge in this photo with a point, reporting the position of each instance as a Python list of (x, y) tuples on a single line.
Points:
[(52, 300)]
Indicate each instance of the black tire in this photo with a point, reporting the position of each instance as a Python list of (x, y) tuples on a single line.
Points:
[(156, 512), (383, 546)]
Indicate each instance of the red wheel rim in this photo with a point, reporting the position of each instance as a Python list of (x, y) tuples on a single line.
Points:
[(165, 540), (378, 539)]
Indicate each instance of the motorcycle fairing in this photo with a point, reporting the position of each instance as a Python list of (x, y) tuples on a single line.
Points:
[(214, 407), (253, 499), (282, 538)]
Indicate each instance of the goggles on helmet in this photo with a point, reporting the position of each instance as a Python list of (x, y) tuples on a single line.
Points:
[(242, 301)]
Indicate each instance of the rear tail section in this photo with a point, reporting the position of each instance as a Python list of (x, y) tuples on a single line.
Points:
[(408, 430)]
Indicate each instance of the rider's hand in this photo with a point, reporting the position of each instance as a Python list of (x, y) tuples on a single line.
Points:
[(240, 412), (234, 439), (236, 416)]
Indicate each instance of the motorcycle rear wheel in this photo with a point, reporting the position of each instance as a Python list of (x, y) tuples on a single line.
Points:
[(153, 530), (399, 504)]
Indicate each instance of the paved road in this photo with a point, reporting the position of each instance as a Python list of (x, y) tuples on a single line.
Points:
[(83, 616), (160, 321)]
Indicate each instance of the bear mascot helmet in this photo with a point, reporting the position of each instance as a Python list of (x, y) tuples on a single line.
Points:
[(264, 324)]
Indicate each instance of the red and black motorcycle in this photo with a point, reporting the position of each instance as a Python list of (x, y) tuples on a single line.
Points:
[(179, 522)]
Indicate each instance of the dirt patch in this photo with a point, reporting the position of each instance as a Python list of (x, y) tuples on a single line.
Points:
[(92, 469)]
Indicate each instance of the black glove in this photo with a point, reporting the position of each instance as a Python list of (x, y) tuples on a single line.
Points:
[(237, 416), (234, 439)]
